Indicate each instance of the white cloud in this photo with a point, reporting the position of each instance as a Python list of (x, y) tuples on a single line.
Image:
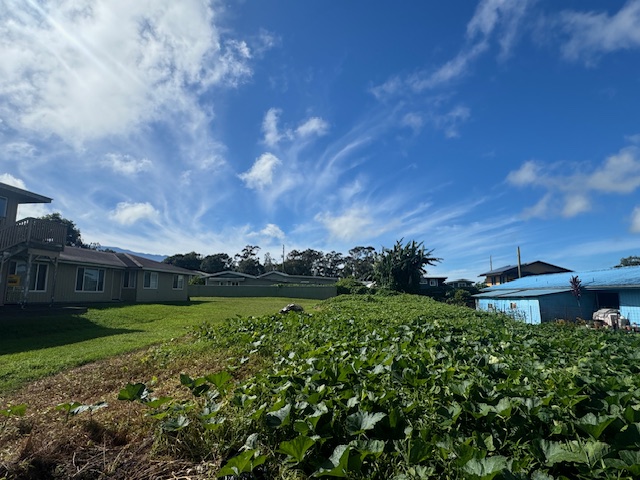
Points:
[(575, 204), (129, 213), (571, 194), (527, 174), (354, 223), (82, 70), (619, 174), (272, 230), (493, 19), (270, 127), (260, 175), (13, 181), (19, 150), (414, 121), (125, 164), (451, 121), (313, 126), (635, 220), (593, 34)]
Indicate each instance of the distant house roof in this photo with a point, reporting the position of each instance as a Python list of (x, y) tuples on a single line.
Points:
[(88, 256), (23, 196), (626, 277), (507, 268), (228, 275), (460, 280), (287, 277)]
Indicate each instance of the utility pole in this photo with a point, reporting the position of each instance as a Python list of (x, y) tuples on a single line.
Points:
[(519, 265)]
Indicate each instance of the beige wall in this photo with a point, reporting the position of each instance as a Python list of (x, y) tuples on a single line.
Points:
[(165, 291)]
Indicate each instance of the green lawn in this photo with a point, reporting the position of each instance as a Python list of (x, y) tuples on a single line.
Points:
[(34, 347)]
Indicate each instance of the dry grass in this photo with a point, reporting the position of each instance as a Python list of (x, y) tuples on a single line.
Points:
[(113, 442)]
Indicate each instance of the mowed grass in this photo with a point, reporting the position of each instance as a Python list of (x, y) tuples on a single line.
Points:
[(35, 347)]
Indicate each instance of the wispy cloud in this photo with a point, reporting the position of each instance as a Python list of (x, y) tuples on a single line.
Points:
[(85, 70), (593, 34), (125, 164), (571, 194), (635, 220), (493, 19)]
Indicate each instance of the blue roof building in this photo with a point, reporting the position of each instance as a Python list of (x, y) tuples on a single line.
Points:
[(544, 298)]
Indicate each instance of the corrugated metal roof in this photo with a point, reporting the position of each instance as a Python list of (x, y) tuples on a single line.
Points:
[(538, 292), (626, 277)]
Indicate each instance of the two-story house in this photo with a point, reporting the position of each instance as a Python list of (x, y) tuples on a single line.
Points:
[(37, 267)]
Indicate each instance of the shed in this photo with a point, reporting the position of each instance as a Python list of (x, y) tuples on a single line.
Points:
[(543, 298)]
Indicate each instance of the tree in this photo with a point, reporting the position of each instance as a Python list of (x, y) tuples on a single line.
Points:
[(631, 261), (247, 261), (360, 262), (401, 267), (74, 238), (306, 262), (190, 261), (218, 262)]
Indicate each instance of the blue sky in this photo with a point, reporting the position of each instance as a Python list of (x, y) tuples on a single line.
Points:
[(166, 127)]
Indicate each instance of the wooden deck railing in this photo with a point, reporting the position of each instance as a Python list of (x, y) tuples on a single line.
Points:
[(33, 232)]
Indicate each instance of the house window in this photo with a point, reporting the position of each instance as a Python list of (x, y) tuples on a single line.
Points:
[(129, 279), (178, 282), (433, 282), (150, 280), (3, 207), (513, 305), (89, 280), (38, 279)]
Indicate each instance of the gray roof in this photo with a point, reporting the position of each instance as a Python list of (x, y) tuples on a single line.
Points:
[(92, 257), (23, 196), (626, 277), (86, 256), (506, 268)]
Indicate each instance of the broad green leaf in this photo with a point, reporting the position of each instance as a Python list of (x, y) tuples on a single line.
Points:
[(559, 452), (593, 425), (244, 462), (296, 448), (337, 465), (174, 424), (486, 468), (221, 380), (279, 418), (16, 410), (419, 451), (361, 421), (133, 392)]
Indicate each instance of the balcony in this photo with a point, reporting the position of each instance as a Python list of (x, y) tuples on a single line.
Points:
[(34, 233)]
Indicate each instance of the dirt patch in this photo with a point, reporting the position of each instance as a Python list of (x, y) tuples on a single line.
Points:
[(112, 442)]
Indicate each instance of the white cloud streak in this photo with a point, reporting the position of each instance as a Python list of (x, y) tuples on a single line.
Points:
[(125, 164), (571, 194), (593, 34)]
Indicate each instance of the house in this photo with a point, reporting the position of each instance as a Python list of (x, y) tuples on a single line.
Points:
[(37, 268), (432, 282), (460, 283), (544, 298), (229, 278), (509, 273)]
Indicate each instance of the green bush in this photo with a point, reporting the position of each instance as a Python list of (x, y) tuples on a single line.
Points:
[(350, 286)]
